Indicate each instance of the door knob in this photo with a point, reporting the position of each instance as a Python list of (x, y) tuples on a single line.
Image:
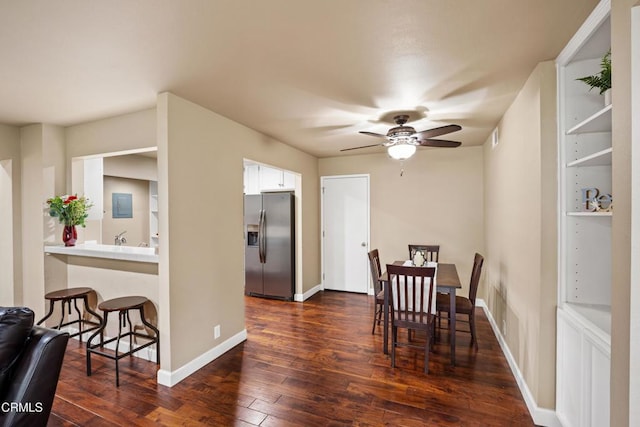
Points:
[(363, 244)]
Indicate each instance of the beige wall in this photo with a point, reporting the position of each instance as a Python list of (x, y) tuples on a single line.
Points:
[(41, 169), (437, 200), (54, 183), (11, 255), (133, 166), (122, 133), (621, 359), (200, 168), (137, 227), (520, 229), (33, 197)]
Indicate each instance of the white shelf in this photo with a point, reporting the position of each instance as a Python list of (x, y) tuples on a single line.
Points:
[(593, 214), (601, 158), (598, 316), (598, 122)]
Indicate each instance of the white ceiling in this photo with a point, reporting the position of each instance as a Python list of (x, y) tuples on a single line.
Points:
[(309, 73)]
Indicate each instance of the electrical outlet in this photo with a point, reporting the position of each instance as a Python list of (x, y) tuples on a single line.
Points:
[(216, 332)]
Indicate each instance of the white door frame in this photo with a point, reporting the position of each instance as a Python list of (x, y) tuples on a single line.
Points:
[(7, 297), (322, 181), (634, 321)]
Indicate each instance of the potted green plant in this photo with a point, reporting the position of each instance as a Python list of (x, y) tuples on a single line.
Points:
[(602, 80)]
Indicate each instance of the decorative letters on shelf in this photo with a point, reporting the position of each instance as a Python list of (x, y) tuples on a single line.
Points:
[(593, 201)]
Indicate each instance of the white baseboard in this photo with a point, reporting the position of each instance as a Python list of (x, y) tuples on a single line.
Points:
[(171, 378), (541, 416), (165, 377), (311, 292)]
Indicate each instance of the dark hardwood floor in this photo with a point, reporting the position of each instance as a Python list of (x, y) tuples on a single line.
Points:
[(311, 364)]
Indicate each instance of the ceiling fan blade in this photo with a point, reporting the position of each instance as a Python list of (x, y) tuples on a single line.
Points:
[(442, 130), (377, 135), (364, 146), (439, 143)]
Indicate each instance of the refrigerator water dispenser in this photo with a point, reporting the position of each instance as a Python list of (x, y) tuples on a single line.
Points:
[(252, 234)]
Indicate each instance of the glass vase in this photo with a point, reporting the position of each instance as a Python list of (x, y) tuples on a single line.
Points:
[(69, 235)]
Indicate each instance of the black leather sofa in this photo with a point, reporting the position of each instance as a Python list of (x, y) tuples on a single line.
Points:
[(30, 362)]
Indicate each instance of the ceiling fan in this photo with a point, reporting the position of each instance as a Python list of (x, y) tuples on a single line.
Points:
[(401, 141)]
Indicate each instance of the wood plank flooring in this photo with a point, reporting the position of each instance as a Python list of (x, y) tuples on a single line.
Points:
[(310, 364)]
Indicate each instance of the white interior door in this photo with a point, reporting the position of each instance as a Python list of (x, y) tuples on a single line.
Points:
[(345, 232)]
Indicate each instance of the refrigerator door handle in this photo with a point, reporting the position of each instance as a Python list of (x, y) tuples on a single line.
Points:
[(261, 237)]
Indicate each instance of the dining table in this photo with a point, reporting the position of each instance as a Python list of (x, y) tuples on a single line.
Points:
[(447, 281)]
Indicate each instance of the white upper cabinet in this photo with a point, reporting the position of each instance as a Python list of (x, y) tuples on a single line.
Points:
[(251, 179), (87, 181), (258, 178), (271, 178)]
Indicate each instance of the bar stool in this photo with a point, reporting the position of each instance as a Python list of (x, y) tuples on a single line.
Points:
[(122, 306), (66, 296)]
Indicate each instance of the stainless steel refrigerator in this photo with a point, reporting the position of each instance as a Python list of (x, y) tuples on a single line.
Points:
[(269, 222)]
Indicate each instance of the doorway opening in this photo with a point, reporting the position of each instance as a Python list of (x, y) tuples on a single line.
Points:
[(132, 172), (6, 231), (261, 177)]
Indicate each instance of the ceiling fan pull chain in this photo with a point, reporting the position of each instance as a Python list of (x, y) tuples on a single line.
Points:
[(401, 168)]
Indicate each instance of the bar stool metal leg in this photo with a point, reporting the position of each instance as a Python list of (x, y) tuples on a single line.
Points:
[(80, 322), (48, 314), (62, 316), (155, 330), (100, 331)]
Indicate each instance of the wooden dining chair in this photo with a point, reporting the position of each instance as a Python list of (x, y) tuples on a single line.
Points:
[(430, 252), (412, 306), (378, 293), (465, 305)]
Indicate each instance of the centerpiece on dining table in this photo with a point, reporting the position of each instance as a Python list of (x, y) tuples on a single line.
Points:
[(71, 211), (419, 259)]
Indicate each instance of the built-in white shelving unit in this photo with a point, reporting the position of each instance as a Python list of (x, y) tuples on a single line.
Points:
[(153, 214), (584, 296)]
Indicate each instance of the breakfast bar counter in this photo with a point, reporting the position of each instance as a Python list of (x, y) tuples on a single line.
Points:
[(122, 253), (112, 272)]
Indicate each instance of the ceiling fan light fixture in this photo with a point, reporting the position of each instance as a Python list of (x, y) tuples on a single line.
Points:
[(401, 151), (401, 141)]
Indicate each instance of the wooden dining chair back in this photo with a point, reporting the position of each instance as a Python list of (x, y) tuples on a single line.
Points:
[(465, 306), (413, 305), (430, 253), (376, 273)]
